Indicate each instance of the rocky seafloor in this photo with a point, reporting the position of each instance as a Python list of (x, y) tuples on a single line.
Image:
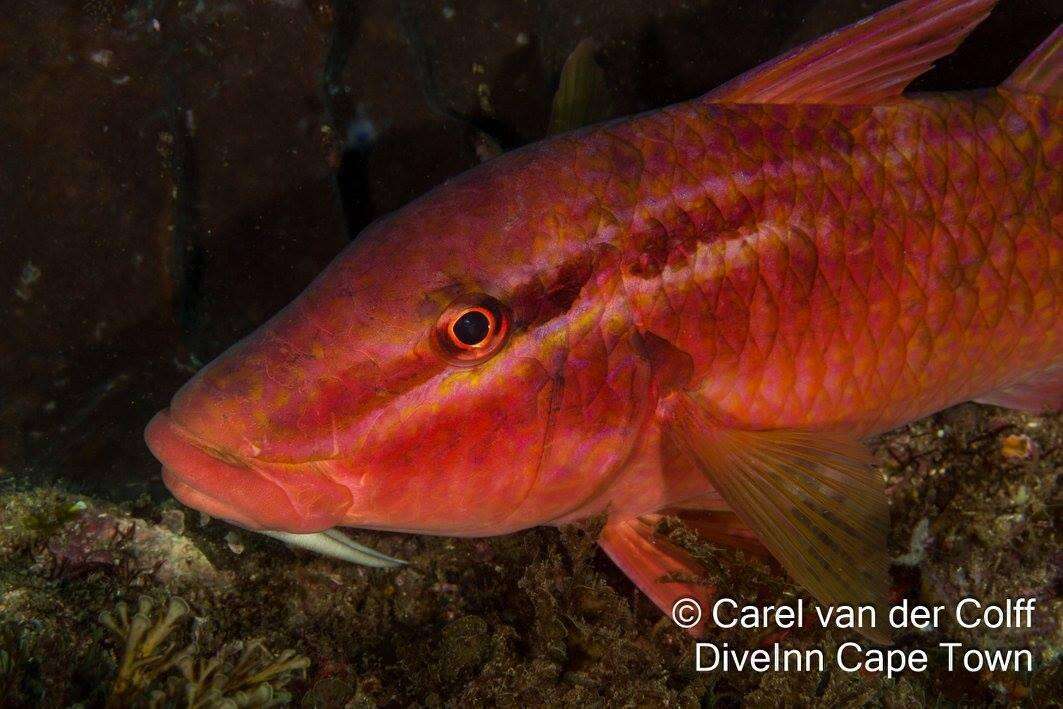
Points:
[(537, 618)]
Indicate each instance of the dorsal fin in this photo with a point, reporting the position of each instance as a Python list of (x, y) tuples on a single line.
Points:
[(868, 61), (1042, 71)]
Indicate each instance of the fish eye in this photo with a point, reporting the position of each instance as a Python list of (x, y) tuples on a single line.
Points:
[(471, 329)]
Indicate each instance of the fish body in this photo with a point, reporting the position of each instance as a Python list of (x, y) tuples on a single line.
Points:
[(678, 307)]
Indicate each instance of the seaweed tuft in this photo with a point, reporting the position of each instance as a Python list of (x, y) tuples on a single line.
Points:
[(156, 670)]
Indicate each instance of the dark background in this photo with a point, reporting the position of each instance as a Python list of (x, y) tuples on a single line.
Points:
[(172, 173)]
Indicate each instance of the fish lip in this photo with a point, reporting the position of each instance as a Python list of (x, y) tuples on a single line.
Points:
[(191, 497), (165, 419), (187, 460), (225, 485)]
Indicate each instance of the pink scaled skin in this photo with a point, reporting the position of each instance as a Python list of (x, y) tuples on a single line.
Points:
[(844, 268)]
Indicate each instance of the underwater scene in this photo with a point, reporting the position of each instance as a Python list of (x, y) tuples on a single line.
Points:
[(516, 353)]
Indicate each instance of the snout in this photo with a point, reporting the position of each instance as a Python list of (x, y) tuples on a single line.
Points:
[(298, 498)]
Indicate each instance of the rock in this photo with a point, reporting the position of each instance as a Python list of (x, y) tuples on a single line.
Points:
[(174, 520), (234, 542), (129, 546)]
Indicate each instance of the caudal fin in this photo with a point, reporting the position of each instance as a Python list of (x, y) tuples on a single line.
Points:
[(1042, 72)]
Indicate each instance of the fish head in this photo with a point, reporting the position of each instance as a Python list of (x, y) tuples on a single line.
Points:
[(463, 367)]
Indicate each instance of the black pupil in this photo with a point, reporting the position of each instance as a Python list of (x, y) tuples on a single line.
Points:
[(472, 328)]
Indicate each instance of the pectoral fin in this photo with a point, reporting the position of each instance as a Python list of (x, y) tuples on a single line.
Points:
[(812, 498)]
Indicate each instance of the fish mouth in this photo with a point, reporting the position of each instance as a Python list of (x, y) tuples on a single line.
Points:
[(252, 494)]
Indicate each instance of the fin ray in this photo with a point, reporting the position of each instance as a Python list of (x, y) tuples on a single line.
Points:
[(1040, 393), (582, 96), (812, 499), (1042, 71), (871, 60), (653, 563), (721, 528)]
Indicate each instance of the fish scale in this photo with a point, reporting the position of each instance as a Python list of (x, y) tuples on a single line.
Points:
[(909, 252), (698, 311)]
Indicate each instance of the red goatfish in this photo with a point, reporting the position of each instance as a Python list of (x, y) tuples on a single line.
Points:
[(702, 310)]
